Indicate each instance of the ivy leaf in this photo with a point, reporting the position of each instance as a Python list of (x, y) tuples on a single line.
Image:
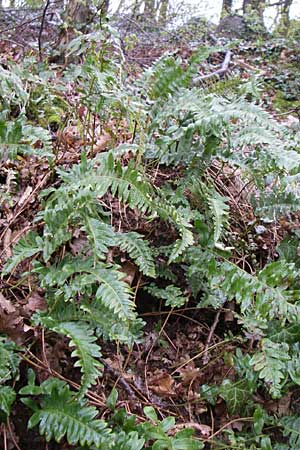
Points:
[(236, 395)]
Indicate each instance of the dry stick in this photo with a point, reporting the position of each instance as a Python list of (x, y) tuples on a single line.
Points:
[(219, 72), (21, 25), (239, 419), (151, 348), (12, 435), (4, 438), (205, 357), (41, 30), (198, 355), (119, 377)]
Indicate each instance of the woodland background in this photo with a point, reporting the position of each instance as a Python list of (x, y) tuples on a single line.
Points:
[(149, 225)]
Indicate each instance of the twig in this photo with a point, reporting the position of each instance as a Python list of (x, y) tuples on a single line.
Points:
[(12, 435), (205, 357), (239, 419), (41, 30), (223, 69), (198, 355), (119, 377), (21, 25)]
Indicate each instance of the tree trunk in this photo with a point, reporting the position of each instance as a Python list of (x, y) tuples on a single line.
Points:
[(149, 10), (163, 11), (226, 8), (285, 15), (254, 5)]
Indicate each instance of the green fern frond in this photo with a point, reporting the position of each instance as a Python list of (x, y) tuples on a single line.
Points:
[(62, 415), (9, 360), (113, 292), (86, 350), (220, 212), (271, 363), (139, 250), (7, 398), (291, 429), (168, 212), (171, 294), (26, 247), (275, 204), (101, 236)]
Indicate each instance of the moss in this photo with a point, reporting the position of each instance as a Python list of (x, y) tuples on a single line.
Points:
[(282, 104)]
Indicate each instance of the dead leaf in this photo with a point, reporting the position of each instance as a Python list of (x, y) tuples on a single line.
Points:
[(102, 142), (26, 194), (188, 373), (129, 270), (6, 305), (7, 243), (35, 302), (162, 384), (69, 137)]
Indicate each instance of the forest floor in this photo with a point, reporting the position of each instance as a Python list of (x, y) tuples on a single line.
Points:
[(181, 349)]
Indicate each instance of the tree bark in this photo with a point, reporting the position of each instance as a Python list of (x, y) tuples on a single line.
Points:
[(163, 11), (149, 10), (285, 15), (226, 8), (254, 5)]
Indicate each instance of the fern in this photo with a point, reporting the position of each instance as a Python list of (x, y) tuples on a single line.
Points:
[(276, 204), (7, 399), (9, 370), (168, 211), (62, 414), (9, 360), (291, 429), (171, 294), (266, 295), (101, 236), (139, 250), (18, 138), (25, 248), (86, 350), (220, 212), (271, 363)]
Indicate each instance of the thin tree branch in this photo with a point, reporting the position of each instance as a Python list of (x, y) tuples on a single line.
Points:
[(223, 69), (41, 30)]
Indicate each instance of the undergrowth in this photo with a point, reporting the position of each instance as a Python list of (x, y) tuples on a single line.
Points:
[(172, 124)]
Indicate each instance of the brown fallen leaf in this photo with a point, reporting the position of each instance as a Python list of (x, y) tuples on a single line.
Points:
[(102, 142), (6, 305), (129, 269), (7, 244), (35, 302), (26, 194), (188, 373), (162, 384)]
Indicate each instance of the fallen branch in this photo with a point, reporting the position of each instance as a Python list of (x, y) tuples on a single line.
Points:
[(205, 357), (220, 72)]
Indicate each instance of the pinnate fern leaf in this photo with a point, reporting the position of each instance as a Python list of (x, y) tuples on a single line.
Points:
[(62, 415), (7, 398), (86, 350), (26, 247), (171, 294), (139, 250), (271, 363), (291, 429), (220, 212)]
